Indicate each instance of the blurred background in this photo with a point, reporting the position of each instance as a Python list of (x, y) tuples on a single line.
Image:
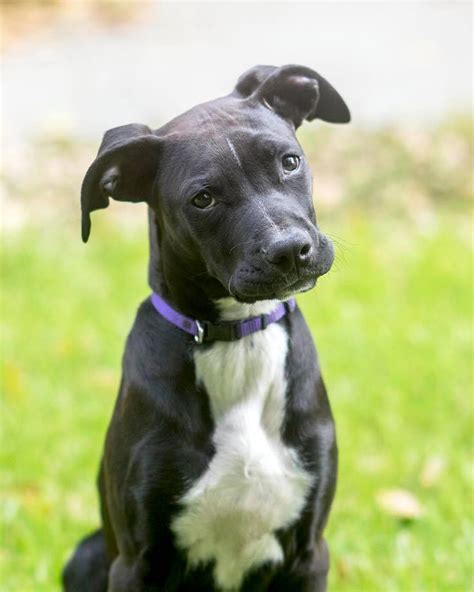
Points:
[(392, 320)]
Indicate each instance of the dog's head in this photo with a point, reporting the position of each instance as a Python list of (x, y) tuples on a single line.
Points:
[(229, 185)]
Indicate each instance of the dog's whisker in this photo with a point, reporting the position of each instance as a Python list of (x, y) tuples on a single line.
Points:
[(341, 240)]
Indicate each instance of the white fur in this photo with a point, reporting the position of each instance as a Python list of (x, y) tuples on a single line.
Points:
[(254, 484), (234, 152)]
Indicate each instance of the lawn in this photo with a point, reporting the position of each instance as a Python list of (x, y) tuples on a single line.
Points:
[(393, 326)]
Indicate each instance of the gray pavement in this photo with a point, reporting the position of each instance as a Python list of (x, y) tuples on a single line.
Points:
[(391, 61)]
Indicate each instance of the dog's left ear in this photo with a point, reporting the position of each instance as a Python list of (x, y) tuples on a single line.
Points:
[(252, 79), (295, 93), (125, 169)]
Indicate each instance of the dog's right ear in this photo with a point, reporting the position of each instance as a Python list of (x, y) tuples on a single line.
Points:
[(125, 169)]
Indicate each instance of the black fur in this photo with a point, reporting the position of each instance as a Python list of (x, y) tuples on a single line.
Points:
[(160, 436)]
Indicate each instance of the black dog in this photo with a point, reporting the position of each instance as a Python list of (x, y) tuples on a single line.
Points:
[(220, 461)]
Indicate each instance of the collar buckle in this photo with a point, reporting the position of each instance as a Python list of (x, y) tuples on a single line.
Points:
[(199, 338)]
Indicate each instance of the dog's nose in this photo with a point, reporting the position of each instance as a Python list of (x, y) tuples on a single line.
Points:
[(291, 252)]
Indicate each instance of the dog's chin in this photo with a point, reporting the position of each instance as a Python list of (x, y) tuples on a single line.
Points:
[(255, 292)]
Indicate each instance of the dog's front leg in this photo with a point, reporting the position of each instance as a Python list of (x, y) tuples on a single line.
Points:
[(123, 577), (309, 428), (308, 572), (151, 455), (132, 576), (308, 565)]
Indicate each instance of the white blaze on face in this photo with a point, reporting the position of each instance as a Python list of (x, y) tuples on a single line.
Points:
[(254, 484), (234, 152)]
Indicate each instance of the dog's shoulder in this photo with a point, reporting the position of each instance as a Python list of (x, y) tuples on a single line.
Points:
[(158, 402), (158, 377)]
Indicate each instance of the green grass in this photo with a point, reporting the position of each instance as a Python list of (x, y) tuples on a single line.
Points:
[(392, 323)]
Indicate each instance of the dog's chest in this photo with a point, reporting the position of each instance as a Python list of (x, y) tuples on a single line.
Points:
[(254, 484)]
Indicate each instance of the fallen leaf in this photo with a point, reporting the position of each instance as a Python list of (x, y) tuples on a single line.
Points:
[(399, 503)]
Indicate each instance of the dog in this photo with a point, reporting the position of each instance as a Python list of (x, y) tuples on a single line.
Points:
[(220, 461)]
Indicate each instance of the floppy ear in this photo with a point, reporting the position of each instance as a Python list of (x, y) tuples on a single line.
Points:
[(250, 80), (295, 93), (125, 169)]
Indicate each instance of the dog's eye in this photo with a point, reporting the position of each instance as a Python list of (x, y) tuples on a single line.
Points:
[(290, 162), (203, 200)]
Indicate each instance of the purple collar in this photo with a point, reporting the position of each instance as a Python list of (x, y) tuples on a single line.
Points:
[(225, 330)]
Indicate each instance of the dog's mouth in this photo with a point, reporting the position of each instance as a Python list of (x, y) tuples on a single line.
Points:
[(252, 291)]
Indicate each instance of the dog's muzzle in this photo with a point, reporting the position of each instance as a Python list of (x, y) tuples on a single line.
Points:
[(289, 265)]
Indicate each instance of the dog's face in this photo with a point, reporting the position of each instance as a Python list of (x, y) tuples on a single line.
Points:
[(235, 193), (229, 185)]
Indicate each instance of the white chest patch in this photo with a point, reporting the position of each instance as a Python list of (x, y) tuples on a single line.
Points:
[(254, 484)]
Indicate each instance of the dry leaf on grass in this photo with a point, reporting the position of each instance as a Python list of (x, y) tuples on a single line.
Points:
[(399, 503)]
